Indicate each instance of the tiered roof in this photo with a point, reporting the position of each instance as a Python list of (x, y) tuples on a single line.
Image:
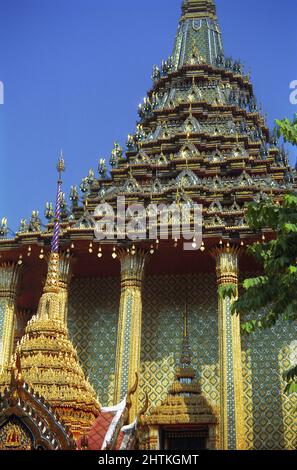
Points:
[(23, 410), (200, 138), (49, 361)]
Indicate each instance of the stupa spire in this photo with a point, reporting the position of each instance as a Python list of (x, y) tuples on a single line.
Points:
[(60, 169), (199, 34), (52, 280), (49, 361)]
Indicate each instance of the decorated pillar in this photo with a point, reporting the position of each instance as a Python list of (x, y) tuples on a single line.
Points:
[(66, 262), (129, 326), (9, 276), (231, 379)]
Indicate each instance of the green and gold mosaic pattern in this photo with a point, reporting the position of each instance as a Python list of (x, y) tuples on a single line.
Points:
[(163, 306), (92, 321), (202, 36), (2, 317), (127, 347), (270, 416), (93, 314)]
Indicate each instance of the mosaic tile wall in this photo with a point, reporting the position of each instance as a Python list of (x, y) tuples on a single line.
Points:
[(270, 416), (92, 321), (2, 318), (163, 306), (93, 312)]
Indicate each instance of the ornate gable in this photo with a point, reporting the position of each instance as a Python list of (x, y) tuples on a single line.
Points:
[(27, 422)]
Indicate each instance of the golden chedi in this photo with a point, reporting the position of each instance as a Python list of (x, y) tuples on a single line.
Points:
[(48, 359)]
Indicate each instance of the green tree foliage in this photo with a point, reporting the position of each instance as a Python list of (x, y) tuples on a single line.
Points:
[(288, 130), (228, 290), (273, 295)]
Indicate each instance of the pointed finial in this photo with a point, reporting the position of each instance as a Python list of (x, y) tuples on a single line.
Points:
[(61, 165), (52, 280), (60, 169)]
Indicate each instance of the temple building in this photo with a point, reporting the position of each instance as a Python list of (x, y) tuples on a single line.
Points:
[(126, 343)]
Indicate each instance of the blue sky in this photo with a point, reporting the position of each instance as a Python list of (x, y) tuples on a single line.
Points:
[(74, 72)]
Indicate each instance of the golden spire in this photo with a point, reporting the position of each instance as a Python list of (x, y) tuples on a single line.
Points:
[(49, 361), (52, 280)]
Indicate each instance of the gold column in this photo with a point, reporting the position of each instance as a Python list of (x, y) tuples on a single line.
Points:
[(9, 276), (129, 325), (66, 262), (232, 434)]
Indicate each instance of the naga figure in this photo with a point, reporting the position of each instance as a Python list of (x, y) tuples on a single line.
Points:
[(116, 154), (130, 142), (229, 63), (23, 226), (170, 64), (84, 185), (220, 60), (140, 134), (91, 176), (49, 211), (64, 209), (156, 75), (144, 108), (3, 227), (167, 66), (102, 169), (35, 222), (253, 104), (237, 67), (74, 197)]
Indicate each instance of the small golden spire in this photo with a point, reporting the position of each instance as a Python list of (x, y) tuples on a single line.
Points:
[(61, 165), (53, 274)]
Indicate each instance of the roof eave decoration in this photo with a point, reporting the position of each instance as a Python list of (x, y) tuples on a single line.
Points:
[(24, 413)]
